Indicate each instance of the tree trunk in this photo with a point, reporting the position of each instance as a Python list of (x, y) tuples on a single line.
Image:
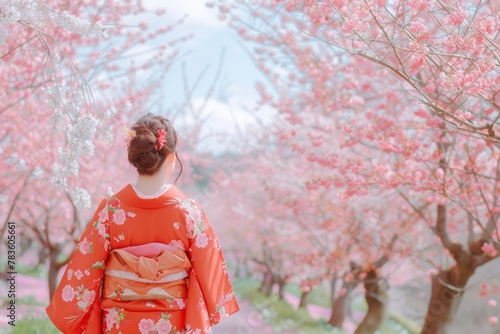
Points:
[(266, 287), (265, 282), (341, 305), (54, 268), (376, 297), (446, 295), (281, 288), (304, 299), (333, 288)]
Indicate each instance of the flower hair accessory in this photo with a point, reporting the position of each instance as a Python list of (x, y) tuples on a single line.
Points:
[(161, 138)]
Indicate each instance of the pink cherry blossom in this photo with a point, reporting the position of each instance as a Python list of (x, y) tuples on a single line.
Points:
[(78, 274), (88, 297), (458, 16), (418, 26), (415, 3), (101, 229), (163, 326), (353, 23), (201, 240), (489, 249), (177, 244), (488, 25), (85, 246), (146, 326), (103, 214), (119, 217), (339, 3), (180, 303), (111, 317), (68, 293)]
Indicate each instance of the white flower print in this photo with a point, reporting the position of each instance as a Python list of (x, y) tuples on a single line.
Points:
[(146, 326), (68, 293), (180, 303), (163, 326), (103, 215), (78, 274), (194, 218), (111, 318), (119, 217), (120, 237), (201, 240), (88, 296), (177, 244), (87, 300), (101, 229)]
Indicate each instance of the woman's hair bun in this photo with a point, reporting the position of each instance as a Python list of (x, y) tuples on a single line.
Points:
[(143, 151)]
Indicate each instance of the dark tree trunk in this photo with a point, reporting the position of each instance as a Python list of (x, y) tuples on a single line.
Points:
[(376, 297), (281, 288), (333, 290), (446, 295), (266, 287), (265, 281), (304, 299), (54, 268), (340, 307)]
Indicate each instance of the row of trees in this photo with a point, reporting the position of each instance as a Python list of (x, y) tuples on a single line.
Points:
[(386, 150)]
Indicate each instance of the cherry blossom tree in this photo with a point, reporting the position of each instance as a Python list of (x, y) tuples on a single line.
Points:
[(53, 54), (407, 108), (444, 53)]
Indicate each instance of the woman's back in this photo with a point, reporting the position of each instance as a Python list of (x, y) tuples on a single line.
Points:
[(145, 264)]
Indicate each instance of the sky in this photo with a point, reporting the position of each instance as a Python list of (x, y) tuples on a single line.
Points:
[(234, 99)]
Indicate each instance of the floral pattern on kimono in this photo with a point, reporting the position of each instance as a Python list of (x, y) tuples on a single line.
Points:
[(126, 220)]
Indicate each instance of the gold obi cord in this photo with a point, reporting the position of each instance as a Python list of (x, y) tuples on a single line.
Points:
[(151, 271)]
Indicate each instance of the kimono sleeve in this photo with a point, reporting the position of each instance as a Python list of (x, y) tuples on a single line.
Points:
[(75, 306), (209, 266)]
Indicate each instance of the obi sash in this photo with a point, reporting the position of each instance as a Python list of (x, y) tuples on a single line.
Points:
[(155, 271), (146, 272)]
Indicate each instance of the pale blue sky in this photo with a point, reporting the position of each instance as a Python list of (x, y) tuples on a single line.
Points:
[(235, 93)]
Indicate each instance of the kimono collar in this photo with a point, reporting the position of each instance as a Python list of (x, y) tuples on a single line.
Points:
[(129, 197)]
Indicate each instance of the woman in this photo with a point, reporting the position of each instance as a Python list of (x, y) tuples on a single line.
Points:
[(149, 261)]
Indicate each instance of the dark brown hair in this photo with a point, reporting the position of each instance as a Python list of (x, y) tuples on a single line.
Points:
[(142, 153)]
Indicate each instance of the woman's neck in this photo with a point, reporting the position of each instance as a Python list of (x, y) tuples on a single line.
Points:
[(151, 184)]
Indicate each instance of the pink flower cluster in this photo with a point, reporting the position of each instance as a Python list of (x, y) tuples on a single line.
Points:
[(417, 26), (458, 16), (488, 25), (489, 249), (354, 24)]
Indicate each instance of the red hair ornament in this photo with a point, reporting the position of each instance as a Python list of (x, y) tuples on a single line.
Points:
[(161, 138)]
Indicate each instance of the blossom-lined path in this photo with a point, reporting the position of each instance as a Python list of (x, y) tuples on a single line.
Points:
[(246, 321)]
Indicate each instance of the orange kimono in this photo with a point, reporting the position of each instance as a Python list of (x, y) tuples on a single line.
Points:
[(149, 266)]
